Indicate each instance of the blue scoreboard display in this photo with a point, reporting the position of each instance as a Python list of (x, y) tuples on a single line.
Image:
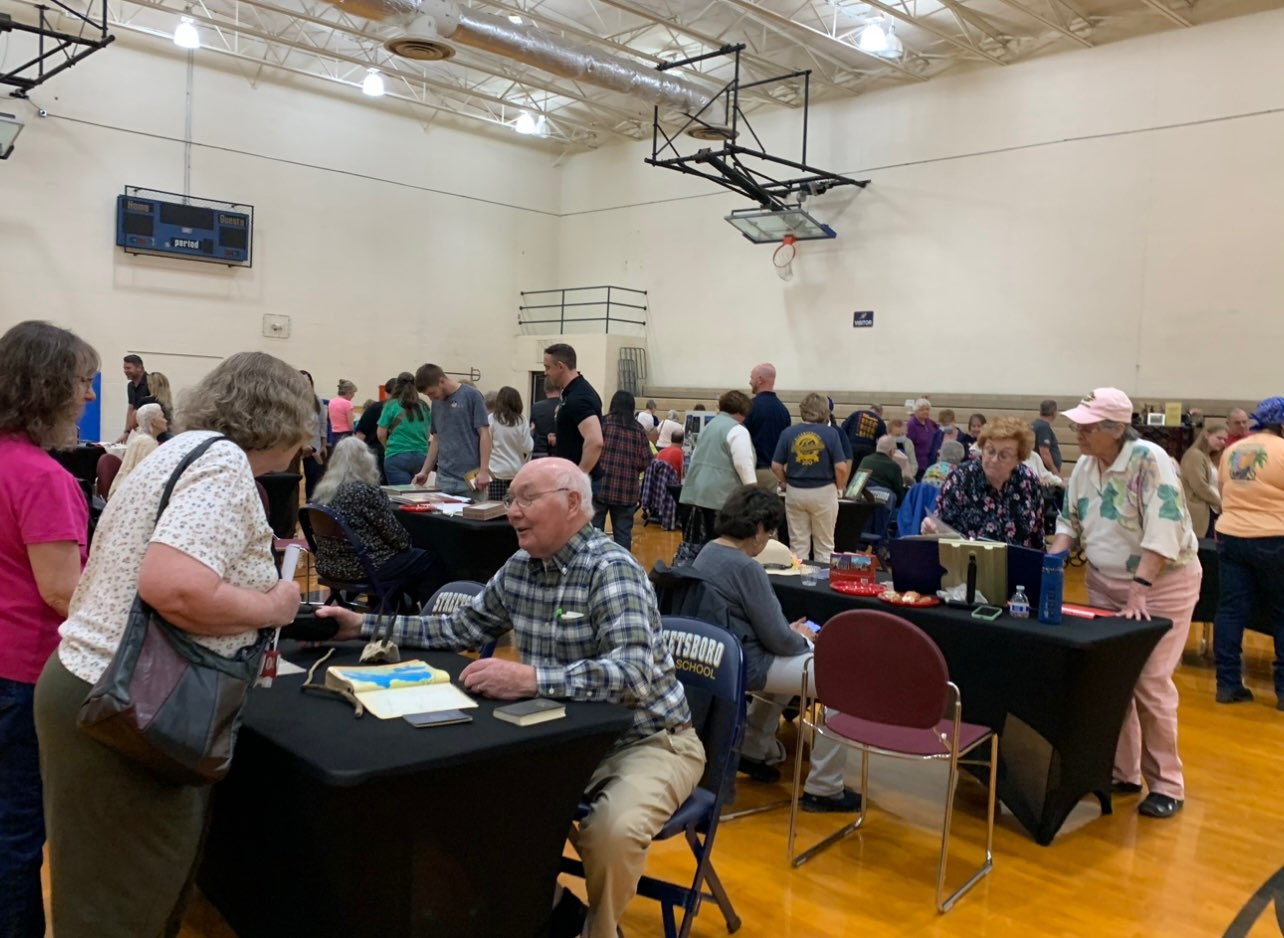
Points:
[(151, 226)]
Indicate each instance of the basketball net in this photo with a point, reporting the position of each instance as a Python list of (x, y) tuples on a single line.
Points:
[(783, 257)]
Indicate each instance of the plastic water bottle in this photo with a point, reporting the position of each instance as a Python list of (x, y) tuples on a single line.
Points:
[(1019, 604), (1052, 587)]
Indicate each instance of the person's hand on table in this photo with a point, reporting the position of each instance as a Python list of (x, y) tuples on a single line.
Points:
[(482, 481), (421, 478), (1136, 607), (349, 621), (499, 679)]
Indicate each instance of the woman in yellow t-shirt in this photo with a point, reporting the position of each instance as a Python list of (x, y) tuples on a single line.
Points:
[(1250, 548)]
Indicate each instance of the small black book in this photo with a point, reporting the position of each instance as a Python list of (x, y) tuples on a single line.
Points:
[(530, 712)]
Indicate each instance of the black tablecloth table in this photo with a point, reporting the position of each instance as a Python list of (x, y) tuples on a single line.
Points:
[(1210, 591), (81, 462), (471, 550), (329, 825), (283, 501), (1056, 694)]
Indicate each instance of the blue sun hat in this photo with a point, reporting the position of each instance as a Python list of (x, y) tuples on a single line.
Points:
[(1269, 413)]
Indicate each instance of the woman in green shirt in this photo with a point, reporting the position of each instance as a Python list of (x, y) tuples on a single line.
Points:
[(403, 431)]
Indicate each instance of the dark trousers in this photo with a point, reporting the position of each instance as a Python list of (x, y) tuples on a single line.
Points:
[(22, 820), (312, 473), (621, 522), (1252, 577), (415, 572)]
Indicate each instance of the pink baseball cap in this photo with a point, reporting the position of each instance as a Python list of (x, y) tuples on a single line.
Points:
[(1102, 404)]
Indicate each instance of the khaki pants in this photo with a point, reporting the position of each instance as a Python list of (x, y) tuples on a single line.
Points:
[(123, 845), (767, 479), (811, 515), (633, 793), (1148, 740)]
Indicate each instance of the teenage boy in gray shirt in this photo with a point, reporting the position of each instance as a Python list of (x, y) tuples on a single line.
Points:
[(459, 446)]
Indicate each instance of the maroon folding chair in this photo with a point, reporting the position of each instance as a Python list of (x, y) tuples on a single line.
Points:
[(279, 544), (108, 466), (892, 690)]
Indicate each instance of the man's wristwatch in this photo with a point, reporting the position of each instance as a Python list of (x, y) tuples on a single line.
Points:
[(1142, 581)]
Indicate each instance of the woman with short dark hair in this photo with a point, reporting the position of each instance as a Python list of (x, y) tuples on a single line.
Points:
[(44, 527), (511, 441), (123, 844), (775, 650)]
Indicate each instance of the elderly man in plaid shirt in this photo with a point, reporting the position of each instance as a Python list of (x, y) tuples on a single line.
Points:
[(586, 627)]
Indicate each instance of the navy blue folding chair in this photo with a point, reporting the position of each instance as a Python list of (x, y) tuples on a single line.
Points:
[(325, 523), (711, 669), (455, 595)]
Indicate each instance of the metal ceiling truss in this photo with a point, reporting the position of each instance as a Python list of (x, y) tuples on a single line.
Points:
[(55, 50)]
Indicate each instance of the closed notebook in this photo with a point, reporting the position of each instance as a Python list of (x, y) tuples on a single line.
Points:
[(393, 690), (530, 712)]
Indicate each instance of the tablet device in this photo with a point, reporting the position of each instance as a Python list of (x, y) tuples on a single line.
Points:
[(437, 718)]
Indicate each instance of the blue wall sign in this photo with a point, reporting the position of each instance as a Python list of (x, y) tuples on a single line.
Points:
[(863, 319)]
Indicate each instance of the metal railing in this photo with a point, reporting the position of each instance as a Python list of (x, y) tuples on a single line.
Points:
[(608, 309)]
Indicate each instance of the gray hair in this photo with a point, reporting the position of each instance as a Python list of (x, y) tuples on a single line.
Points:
[(651, 405), (951, 452), (921, 403), (1129, 431), (147, 415), (575, 481), (886, 445), (351, 461), (671, 415), (1047, 408)]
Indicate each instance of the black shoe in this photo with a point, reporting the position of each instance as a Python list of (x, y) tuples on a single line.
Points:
[(1160, 806), (1234, 694), (1125, 788), (847, 800), (1279, 704), (567, 920), (758, 770)]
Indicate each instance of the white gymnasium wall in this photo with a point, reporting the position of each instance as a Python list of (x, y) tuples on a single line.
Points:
[(1027, 230), (387, 244)]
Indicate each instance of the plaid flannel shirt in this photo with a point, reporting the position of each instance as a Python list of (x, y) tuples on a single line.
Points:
[(585, 618), (625, 454)]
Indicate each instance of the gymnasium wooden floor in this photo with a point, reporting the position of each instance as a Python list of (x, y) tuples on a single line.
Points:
[(1121, 875)]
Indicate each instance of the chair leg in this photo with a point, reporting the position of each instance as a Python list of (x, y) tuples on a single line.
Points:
[(945, 903), (724, 901), (801, 858)]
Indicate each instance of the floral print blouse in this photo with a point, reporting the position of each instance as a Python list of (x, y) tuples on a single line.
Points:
[(1134, 504), (970, 505)]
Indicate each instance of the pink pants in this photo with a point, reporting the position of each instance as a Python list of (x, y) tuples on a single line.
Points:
[(1148, 741)]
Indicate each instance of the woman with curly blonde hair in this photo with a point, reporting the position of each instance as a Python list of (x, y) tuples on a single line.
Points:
[(994, 496), (123, 843)]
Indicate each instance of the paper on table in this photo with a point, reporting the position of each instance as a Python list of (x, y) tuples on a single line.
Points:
[(284, 667), (452, 508), (426, 698)]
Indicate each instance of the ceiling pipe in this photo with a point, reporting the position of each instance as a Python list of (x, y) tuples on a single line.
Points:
[(427, 30)]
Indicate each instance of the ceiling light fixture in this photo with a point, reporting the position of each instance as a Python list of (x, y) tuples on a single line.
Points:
[(186, 35), (895, 48), (515, 19), (880, 40), (525, 124), (372, 84)]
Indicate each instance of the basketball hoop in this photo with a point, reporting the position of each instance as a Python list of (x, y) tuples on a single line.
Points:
[(783, 257)]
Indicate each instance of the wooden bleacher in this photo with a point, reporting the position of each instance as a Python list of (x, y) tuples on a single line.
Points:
[(1022, 406)]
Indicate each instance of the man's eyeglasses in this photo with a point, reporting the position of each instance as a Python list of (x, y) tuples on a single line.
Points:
[(529, 499)]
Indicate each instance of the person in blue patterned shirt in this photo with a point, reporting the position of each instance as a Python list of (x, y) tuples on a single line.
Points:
[(586, 627)]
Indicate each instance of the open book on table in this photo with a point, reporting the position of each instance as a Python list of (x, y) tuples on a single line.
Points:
[(393, 690)]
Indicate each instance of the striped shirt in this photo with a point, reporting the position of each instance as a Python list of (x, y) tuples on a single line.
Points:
[(585, 618)]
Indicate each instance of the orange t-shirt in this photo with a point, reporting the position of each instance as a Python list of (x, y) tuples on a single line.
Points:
[(1252, 480)]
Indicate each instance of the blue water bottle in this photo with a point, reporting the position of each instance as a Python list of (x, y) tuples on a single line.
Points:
[(1052, 587)]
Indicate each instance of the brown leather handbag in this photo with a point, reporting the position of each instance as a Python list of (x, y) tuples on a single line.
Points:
[(165, 701)]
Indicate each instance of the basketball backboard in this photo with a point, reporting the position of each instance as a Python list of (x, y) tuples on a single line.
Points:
[(765, 226)]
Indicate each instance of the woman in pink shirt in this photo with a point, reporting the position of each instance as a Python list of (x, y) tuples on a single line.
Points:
[(44, 525), (341, 411)]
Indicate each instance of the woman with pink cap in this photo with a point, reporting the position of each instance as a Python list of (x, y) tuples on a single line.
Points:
[(1124, 507)]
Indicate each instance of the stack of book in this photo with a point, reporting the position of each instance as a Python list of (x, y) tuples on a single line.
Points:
[(485, 511)]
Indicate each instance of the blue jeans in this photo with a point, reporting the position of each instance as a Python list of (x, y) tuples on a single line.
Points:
[(621, 522), (1252, 577), (402, 468), (22, 820)]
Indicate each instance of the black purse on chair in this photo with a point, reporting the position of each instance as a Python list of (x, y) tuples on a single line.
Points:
[(165, 701)]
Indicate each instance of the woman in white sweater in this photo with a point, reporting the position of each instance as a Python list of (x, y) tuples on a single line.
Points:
[(510, 441)]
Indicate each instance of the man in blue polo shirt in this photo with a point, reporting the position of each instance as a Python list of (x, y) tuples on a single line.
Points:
[(767, 419)]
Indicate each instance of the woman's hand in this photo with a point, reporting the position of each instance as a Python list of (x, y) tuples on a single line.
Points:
[(1136, 606), (929, 525), (284, 598), (800, 626)]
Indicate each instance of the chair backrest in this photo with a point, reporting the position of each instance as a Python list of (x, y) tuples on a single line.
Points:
[(264, 498), (453, 595), (877, 666), (919, 500), (711, 667), (881, 518), (327, 524), (108, 466)]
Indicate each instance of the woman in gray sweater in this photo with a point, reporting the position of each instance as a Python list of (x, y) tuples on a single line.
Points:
[(774, 649)]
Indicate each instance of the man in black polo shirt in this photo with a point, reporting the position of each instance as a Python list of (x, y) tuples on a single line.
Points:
[(579, 419), (137, 390), (768, 418), (544, 420)]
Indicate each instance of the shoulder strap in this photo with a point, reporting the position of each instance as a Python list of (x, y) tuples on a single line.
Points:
[(197, 452)]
